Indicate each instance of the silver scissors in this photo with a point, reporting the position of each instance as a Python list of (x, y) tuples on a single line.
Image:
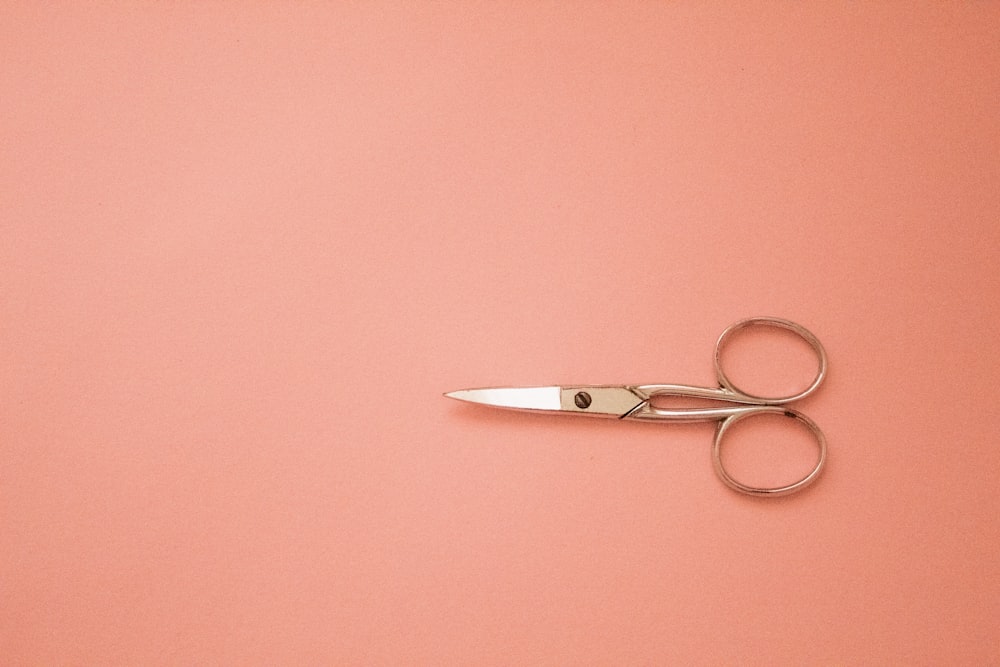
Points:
[(635, 402)]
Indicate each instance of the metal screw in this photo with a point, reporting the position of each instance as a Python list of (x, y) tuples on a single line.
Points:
[(582, 400)]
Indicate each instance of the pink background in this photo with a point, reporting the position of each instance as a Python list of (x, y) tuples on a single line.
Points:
[(246, 246)]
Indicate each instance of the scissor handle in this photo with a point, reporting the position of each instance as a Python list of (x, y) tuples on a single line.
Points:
[(798, 330), (746, 413)]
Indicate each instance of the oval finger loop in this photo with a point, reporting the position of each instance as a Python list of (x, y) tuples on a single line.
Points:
[(730, 481), (779, 323)]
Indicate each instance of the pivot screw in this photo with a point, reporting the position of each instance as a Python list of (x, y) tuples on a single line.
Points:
[(582, 400)]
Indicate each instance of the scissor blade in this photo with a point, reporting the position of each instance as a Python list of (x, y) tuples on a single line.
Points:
[(516, 398), (587, 400)]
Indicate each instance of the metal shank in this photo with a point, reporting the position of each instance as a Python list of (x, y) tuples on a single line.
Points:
[(648, 411)]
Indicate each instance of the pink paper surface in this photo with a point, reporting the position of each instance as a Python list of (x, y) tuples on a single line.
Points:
[(244, 248)]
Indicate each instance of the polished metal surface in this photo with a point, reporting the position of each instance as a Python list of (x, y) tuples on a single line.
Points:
[(513, 398), (635, 402)]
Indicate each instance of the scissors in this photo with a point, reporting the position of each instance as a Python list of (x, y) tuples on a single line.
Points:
[(635, 402)]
